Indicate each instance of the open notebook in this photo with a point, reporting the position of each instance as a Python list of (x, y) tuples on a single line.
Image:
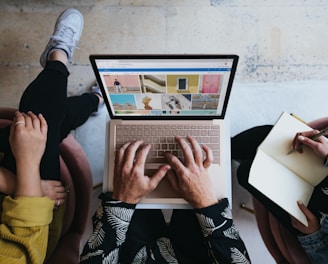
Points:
[(154, 98), (284, 178)]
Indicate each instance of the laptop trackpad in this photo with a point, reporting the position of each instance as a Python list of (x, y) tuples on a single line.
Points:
[(163, 190)]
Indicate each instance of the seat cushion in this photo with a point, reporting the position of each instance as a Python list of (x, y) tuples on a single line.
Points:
[(282, 244), (66, 179)]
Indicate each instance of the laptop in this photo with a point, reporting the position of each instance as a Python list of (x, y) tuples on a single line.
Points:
[(154, 98)]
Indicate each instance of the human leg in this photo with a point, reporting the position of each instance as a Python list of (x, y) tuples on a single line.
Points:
[(67, 32), (187, 238), (244, 145), (145, 228), (79, 108), (47, 94)]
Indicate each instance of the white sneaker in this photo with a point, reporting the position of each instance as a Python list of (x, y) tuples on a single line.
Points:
[(68, 30)]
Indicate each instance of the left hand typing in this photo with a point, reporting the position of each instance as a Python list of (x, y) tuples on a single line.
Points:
[(130, 182)]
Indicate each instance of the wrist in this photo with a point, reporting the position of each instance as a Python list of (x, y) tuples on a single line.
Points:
[(28, 180), (28, 188), (28, 173), (27, 166), (124, 198), (204, 203)]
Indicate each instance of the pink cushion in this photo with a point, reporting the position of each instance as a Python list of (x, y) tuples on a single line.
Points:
[(7, 113), (66, 179), (288, 243), (6, 116), (282, 245), (262, 218)]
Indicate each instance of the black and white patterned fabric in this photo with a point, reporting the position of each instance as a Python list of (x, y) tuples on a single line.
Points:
[(111, 224)]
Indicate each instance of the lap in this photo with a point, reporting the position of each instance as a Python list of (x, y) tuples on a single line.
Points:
[(184, 232)]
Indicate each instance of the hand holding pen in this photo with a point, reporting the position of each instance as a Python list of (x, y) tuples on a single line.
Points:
[(314, 139)]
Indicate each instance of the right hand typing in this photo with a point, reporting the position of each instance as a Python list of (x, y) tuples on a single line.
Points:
[(191, 179)]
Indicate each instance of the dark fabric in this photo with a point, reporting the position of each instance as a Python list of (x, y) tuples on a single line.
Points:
[(145, 227), (47, 94), (183, 231), (319, 200), (122, 234), (187, 237)]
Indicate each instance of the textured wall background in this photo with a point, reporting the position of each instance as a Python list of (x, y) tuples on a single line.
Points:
[(277, 40)]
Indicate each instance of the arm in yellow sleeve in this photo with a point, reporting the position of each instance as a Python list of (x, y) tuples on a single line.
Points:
[(24, 229)]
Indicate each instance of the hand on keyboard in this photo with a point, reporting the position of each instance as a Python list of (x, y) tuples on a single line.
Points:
[(162, 138), (130, 181), (191, 179)]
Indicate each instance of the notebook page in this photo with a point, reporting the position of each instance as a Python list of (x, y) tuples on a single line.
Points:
[(307, 165), (280, 185)]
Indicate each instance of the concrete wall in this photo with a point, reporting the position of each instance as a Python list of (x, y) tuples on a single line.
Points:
[(277, 40)]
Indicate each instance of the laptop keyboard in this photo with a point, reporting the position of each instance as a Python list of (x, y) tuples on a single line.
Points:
[(161, 138)]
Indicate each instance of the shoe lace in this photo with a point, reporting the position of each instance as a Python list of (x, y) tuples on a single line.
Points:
[(65, 36)]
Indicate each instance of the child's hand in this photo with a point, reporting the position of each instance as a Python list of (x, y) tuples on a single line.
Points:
[(313, 223)]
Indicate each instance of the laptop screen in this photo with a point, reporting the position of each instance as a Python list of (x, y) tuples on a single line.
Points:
[(165, 86)]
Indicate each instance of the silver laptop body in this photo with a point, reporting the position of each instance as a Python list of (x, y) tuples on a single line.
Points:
[(154, 98)]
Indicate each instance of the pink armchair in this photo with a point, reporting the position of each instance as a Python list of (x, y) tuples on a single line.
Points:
[(282, 245), (75, 172)]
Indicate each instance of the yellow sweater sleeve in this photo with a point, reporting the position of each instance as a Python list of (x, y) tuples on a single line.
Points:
[(24, 229)]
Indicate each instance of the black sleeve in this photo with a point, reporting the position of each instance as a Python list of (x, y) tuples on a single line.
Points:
[(221, 235)]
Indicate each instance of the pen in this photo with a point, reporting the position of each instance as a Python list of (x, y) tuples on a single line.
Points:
[(299, 119), (314, 137)]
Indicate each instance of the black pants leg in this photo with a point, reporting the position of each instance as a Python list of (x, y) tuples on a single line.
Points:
[(187, 237), (147, 225), (47, 94), (78, 110), (183, 231)]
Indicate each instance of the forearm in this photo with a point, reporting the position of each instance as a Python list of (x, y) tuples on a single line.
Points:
[(220, 234), (7, 181), (28, 180), (316, 244), (110, 224)]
